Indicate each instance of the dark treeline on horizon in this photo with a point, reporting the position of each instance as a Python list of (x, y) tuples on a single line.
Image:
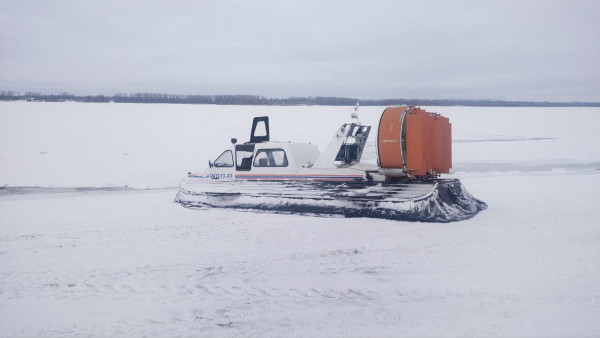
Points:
[(261, 100)]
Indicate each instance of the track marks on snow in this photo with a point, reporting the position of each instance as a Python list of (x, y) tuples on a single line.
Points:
[(210, 281), (253, 280), (504, 139)]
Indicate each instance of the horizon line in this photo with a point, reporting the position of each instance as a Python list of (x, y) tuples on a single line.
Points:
[(253, 99)]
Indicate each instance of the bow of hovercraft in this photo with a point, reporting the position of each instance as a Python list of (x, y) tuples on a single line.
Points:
[(413, 148)]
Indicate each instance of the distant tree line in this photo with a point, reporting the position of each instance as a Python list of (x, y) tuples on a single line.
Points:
[(261, 100)]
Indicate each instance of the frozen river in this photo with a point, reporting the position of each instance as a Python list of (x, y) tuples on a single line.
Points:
[(117, 261)]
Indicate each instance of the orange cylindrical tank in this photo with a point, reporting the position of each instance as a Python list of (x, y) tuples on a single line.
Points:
[(414, 140)]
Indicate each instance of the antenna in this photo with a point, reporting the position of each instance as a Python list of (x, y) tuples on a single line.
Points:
[(355, 112)]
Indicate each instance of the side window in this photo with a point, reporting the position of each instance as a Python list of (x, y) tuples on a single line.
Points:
[(271, 158), (224, 160)]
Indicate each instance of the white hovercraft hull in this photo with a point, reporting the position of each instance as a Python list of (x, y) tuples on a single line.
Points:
[(289, 177)]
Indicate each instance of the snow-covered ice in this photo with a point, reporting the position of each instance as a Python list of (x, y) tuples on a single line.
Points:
[(130, 262)]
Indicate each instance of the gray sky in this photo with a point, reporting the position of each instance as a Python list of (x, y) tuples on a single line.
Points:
[(511, 50)]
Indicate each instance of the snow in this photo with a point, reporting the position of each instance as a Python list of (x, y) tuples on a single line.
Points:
[(130, 262)]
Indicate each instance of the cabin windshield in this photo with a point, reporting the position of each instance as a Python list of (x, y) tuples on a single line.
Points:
[(224, 160)]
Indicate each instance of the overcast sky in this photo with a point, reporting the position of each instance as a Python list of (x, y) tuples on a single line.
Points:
[(511, 50)]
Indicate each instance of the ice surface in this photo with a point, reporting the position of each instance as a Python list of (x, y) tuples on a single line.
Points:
[(75, 144), (129, 262)]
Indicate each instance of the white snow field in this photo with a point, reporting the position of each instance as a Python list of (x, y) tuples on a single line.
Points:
[(118, 261)]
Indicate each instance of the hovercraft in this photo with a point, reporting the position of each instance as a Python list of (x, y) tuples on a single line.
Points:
[(413, 150)]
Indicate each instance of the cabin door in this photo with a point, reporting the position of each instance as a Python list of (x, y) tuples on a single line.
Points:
[(243, 157)]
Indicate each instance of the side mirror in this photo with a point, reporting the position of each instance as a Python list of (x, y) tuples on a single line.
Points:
[(210, 164), (234, 140)]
